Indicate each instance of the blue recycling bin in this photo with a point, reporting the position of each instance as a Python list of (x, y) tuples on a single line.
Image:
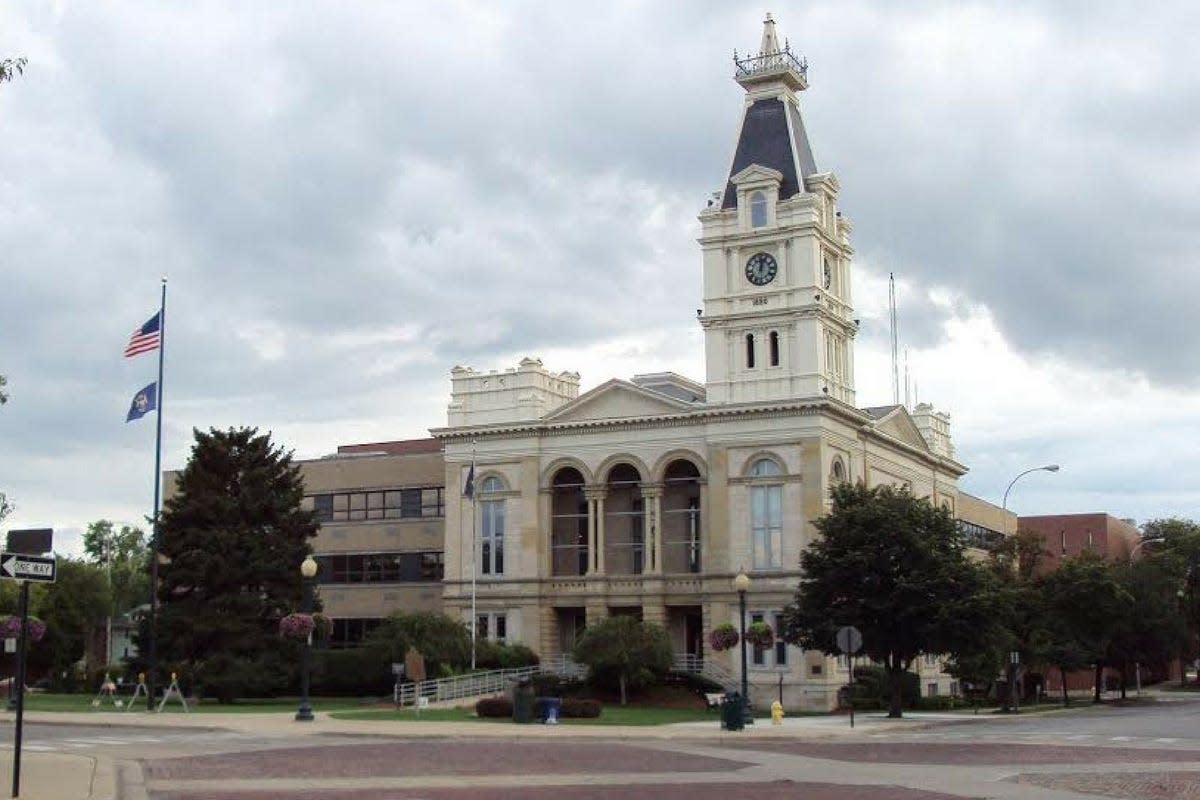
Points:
[(549, 710)]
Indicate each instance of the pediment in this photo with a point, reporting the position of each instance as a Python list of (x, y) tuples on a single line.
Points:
[(899, 425), (617, 399), (757, 173)]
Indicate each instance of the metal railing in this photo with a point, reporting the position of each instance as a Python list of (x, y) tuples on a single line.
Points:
[(481, 684), (709, 669)]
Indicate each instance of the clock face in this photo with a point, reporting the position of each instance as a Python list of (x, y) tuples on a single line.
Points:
[(761, 269)]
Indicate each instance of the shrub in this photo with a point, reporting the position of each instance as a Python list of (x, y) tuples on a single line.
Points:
[(354, 672), (493, 655), (579, 708), (941, 702), (494, 707), (871, 690), (693, 681)]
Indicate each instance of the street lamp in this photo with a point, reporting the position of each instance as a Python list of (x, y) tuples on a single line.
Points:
[(1004, 503), (308, 571), (742, 584)]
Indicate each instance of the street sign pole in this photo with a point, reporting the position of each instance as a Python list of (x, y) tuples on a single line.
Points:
[(24, 613)]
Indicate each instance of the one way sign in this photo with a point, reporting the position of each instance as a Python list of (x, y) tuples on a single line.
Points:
[(27, 568)]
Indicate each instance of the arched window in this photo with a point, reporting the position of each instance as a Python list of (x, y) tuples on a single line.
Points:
[(491, 530), (680, 525), (838, 472), (624, 522), (773, 347), (569, 523), (749, 351), (758, 210), (766, 514)]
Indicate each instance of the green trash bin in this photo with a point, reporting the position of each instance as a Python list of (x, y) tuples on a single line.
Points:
[(732, 715), (523, 700)]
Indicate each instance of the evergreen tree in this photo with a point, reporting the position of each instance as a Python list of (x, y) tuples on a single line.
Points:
[(233, 536), (894, 566)]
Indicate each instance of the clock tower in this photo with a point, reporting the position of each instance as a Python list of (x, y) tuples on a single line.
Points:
[(777, 318)]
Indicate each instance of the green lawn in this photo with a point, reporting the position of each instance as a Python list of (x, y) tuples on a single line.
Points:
[(611, 715), (40, 701)]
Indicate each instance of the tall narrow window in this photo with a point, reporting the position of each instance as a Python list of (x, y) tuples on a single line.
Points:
[(749, 351), (491, 531), (758, 210), (766, 510), (773, 347)]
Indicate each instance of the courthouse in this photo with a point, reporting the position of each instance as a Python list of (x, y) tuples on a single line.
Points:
[(646, 496)]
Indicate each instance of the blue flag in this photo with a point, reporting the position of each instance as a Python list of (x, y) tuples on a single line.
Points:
[(143, 403)]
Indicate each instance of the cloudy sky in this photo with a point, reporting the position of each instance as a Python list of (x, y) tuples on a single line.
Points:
[(349, 199)]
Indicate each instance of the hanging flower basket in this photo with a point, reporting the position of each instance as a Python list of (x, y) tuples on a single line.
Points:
[(10, 628), (760, 635), (723, 637), (296, 626)]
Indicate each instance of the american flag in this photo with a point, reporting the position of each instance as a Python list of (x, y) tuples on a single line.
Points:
[(145, 338)]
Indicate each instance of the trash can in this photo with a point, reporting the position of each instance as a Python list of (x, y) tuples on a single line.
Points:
[(549, 709), (732, 716), (523, 698)]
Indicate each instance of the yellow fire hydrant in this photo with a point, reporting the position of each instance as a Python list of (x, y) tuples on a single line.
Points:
[(777, 713)]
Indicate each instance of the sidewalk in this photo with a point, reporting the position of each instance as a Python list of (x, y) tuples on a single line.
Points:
[(59, 776)]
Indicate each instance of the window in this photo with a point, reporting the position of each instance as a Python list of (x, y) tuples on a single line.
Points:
[(492, 626), (776, 654), (491, 532), (931, 690), (838, 473), (766, 512), (350, 632), (749, 351), (773, 347), (380, 568), (758, 655), (758, 210), (355, 506), (780, 644)]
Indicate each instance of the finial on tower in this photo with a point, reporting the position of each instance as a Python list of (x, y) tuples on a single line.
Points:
[(771, 63)]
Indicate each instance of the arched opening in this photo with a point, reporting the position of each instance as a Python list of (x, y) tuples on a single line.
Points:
[(624, 522), (838, 473), (491, 527), (568, 523), (749, 351), (681, 531), (766, 514), (773, 347)]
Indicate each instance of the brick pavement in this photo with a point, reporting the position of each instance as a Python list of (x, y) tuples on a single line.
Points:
[(885, 752), (775, 790), (1131, 785)]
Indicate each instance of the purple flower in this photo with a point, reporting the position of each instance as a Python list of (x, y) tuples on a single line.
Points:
[(296, 626), (723, 637), (10, 628)]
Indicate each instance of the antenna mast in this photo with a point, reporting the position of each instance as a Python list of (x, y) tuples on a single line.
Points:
[(895, 358)]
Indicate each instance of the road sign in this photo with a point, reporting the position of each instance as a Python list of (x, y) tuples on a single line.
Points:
[(27, 568), (30, 541), (849, 640)]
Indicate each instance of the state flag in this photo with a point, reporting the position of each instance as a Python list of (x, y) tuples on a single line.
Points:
[(469, 489), (143, 403)]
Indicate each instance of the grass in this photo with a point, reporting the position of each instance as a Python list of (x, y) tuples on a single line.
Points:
[(41, 701), (611, 715)]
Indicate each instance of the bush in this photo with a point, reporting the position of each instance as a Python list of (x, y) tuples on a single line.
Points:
[(941, 702), (493, 655), (871, 689), (353, 672), (494, 707), (579, 708), (693, 681)]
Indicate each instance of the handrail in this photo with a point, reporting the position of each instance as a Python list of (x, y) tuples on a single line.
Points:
[(481, 684)]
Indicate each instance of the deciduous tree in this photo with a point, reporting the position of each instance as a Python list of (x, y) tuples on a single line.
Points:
[(894, 566), (625, 651)]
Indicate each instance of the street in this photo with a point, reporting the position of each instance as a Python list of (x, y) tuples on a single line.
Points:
[(1149, 752)]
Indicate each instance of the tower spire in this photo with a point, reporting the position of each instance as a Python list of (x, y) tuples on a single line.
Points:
[(770, 42)]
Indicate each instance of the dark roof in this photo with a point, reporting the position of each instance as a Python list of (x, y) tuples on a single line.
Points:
[(765, 141), (879, 412), (404, 447)]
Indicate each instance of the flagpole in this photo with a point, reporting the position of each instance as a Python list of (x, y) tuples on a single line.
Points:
[(162, 348), (474, 556)]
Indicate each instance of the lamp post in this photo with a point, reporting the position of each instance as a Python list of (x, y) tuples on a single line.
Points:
[(308, 571), (742, 583), (1004, 503)]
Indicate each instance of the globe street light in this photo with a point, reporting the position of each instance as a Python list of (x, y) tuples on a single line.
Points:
[(742, 583), (308, 571)]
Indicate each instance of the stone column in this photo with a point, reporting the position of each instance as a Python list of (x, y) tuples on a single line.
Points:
[(652, 508), (595, 496)]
